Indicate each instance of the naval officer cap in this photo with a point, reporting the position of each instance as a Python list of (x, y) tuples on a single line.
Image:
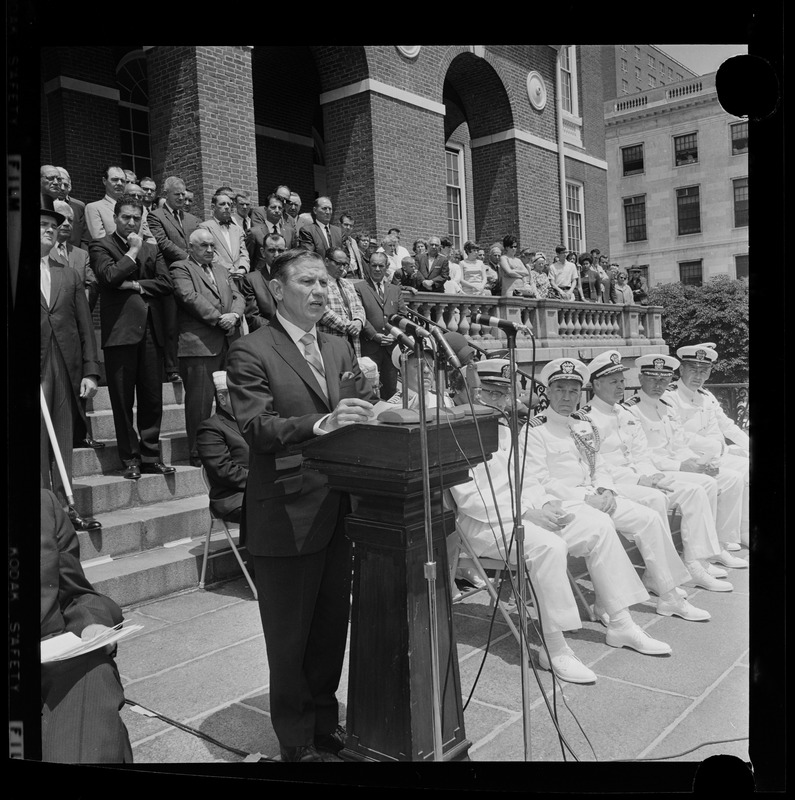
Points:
[(494, 370), (564, 369), (606, 364), (704, 353), (656, 364)]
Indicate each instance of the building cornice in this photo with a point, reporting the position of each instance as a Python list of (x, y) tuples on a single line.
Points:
[(370, 85), (74, 85)]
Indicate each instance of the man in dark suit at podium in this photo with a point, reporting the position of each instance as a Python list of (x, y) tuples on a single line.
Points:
[(289, 383)]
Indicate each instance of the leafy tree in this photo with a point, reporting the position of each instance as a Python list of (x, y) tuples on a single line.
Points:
[(716, 312)]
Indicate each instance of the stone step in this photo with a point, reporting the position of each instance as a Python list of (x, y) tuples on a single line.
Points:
[(163, 571), (133, 530), (98, 494), (86, 461), (173, 394), (101, 426)]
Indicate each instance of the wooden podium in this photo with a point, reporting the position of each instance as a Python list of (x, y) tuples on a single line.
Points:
[(390, 695)]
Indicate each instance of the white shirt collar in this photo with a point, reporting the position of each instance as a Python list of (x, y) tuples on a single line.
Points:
[(110, 199), (555, 418), (688, 393), (605, 408), (293, 331)]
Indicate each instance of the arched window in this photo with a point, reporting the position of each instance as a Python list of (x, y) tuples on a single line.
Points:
[(133, 86)]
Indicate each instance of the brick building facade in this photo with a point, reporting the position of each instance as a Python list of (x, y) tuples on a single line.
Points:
[(382, 130)]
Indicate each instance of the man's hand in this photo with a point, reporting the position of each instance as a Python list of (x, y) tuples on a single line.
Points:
[(88, 387), (427, 284), (691, 465), (355, 327), (386, 340), (664, 483), (227, 321), (602, 502), (349, 411), (135, 241)]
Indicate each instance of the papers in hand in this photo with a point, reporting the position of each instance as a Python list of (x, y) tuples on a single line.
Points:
[(67, 645)]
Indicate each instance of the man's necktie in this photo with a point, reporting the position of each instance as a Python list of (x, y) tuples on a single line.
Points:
[(209, 273), (46, 282), (275, 230), (328, 236), (178, 220), (316, 362), (380, 287), (62, 251)]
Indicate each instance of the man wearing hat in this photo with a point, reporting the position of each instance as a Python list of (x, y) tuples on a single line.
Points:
[(495, 386), (705, 423), (224, 455), (668, 449), (67, 361), (562, 453), (626, 453), (484, 517)]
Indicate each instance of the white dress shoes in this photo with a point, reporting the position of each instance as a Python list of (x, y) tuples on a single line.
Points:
[(714, 570), (567, 667), (700, 578), (681, 608), (732, 546), (728, 560), (651, 589), (470, 575), (634, 637)]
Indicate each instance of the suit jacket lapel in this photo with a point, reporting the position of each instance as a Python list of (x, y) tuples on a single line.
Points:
[(332, 369), (218, 232), (289, 351), (56, 280)]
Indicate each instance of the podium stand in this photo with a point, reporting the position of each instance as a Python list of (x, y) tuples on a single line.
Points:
[(390, 712)]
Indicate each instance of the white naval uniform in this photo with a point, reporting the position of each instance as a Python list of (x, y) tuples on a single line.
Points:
[(706, 429), (625, 450), (668, 449), (590, 535), (553, 458)]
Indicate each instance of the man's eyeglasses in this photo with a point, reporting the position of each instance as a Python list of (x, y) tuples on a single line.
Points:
[(344, 264)]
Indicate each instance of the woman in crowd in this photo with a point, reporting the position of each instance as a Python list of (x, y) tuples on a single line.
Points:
[(590, 278), (420, 246), (544, 287), (473, 271), (453, 284), (622, 290), (512, 271)]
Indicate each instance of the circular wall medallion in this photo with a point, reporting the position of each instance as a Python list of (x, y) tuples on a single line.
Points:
[(409, 50), (536, 90)]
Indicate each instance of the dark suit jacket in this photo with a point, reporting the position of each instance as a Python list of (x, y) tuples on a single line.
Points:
[(377, 312), (78, 259), (259, 217), (123, 312), (224, 454), (312, 237), (277, 401), (258, 233), (200, 306), (438, 271), (66, 324), (260, 302), (171, 241), (79, 236)]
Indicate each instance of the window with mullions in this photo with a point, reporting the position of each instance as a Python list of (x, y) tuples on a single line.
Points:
[(740, 202), (133, 86), (454, 194), (739, 138), (686, 149), (635, 218), (741, 266), (688, 210), (569, 100), (574, 222), (691, 273), (632, 160)]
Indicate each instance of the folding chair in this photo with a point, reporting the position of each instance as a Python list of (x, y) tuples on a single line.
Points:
[(213, 518)]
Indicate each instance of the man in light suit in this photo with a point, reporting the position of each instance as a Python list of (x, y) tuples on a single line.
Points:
[(67, 361), (229, 238), (319, 235), (133, 280), (257, 295), (79, 236), (433, 267), (77, 259), (380, 300), (267, 220), (171, 227), (81, 697), (351, 247), (99, 214), (289, 384), (209, 310)]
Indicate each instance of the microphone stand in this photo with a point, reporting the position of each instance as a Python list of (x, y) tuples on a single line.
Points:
[(518, 536), (430, 565)]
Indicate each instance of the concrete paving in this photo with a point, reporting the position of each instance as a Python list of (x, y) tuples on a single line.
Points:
[(200, 660)]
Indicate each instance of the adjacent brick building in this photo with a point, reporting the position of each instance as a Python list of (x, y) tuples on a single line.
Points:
[(439, 139)]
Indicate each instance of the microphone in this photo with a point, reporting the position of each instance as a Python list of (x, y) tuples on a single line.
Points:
[(408, 326), (441, 339), (401, 337), (496, 322)]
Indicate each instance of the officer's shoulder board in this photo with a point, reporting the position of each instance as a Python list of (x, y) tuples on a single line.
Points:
[(704, 392), (581, 415), (672, 387), (633, 401), (665, 403), (534, 422), (585, 408)]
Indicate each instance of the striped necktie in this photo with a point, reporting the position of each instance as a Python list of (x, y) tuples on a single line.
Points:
[(312, 356)]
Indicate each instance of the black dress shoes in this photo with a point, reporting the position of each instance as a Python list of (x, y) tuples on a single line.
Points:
[(156, 468), (305, 753), (89, 442), (132, 471), (173, 377), (331, 742), (82, 523)]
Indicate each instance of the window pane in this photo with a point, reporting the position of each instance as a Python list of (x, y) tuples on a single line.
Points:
[(690, 272), (739, 138), (686, 149), (125, 138), (741, 203), (741, 266), (140, 144), (124, 118), (688, 206), (635, 218), (632, 159)]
